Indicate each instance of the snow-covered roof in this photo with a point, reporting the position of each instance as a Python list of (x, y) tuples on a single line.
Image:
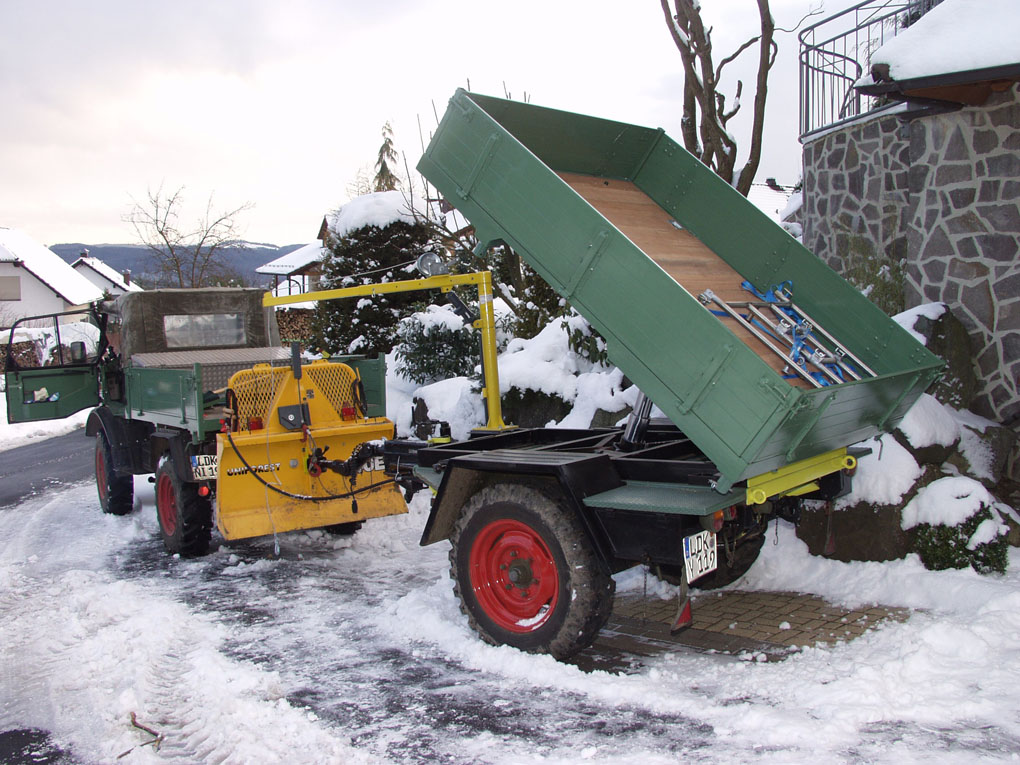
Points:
[(46, 266), (955, 36), (770, 200), (293, 261), (378, 209), (107, 272)]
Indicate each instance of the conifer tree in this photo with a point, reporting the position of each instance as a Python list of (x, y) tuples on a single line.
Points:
[(385, 179)]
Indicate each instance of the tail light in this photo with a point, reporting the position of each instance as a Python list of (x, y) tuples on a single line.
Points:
[(255, 423)]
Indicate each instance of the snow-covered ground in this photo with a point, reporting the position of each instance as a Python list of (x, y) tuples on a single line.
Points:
[(355, 651)]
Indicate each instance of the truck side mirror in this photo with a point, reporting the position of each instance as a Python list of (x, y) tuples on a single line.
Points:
[(78, 352)]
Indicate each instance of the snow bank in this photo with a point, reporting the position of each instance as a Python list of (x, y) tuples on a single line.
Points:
[(948, 502), (908, 318), (379, 209), (928, 422), (884, 476)]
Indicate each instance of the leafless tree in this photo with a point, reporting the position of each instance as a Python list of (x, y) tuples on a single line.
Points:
[(705, 109), (185, 257)]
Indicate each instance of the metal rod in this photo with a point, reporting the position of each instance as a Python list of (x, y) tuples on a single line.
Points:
[(709, 296), (815, 357), (834, 357), (846, 351)]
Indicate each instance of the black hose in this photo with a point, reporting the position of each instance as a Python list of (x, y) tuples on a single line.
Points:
[(308, 498)]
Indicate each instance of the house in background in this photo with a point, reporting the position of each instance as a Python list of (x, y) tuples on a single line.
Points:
[(910, 122), (103, 276), (35, 280)]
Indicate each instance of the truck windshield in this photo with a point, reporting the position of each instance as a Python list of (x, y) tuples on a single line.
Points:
[(203, 330)]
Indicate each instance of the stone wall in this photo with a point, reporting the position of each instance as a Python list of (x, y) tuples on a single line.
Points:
[(938, 197)]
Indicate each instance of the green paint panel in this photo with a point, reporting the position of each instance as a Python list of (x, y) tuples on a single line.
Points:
[(171, 397), (678, 499), (497, 162), (71, 388)]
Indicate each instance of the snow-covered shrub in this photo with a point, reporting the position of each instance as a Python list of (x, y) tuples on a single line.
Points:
[(957, 525), (584, 340), (435, 344)]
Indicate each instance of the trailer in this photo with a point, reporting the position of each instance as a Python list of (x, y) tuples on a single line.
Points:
[(766, 364)]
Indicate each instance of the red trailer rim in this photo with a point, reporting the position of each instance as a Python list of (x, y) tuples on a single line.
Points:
[(166, 504), (513, 576), (101, 474)]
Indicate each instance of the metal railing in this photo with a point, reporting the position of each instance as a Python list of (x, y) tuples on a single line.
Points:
[(836, 52)]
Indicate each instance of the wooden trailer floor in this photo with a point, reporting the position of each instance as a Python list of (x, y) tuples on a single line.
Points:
[(677, 252)]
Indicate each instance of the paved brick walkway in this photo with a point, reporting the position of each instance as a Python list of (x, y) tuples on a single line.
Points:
[(731, 622)]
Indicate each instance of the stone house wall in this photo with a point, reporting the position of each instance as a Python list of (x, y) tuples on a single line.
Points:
[(940, 197)]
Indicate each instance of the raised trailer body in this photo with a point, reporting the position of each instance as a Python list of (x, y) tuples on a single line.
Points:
[(630, 228)]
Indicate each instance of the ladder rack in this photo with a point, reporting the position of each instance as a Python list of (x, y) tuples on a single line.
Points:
[(788, 332)]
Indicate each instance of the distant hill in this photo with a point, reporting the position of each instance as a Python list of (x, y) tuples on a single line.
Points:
[(244, 259)]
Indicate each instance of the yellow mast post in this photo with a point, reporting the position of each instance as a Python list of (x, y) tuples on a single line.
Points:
[(444, 282)]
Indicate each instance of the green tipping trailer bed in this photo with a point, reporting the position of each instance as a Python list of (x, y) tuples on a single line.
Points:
[(631, 228)]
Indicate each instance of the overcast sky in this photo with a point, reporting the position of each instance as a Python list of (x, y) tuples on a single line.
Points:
[(280, 104)]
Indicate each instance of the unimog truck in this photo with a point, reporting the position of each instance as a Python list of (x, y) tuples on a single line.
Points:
[(193, 387), (766, 367)]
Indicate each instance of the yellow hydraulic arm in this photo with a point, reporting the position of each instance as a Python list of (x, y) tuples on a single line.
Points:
[(445, 283)]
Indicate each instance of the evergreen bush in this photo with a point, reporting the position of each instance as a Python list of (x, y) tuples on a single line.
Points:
[(368, 255), (430, 351), (943, 547)]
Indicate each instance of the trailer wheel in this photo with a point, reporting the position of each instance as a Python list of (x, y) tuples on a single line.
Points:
[(185, 518), (526, 573), (116, 492)]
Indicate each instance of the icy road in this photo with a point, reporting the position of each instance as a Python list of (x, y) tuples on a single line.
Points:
[(354, 650)]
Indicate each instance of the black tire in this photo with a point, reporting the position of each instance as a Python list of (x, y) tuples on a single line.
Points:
[(185, 518), (116, 492), (526, 573), (344, 529), (729, 570)]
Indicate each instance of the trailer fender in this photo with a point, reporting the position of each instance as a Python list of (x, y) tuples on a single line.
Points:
[(128, 440), (460, 483), (175, 443)]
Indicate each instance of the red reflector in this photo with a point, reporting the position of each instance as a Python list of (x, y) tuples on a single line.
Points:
[(348, 412), (255, 423), (203, 491)]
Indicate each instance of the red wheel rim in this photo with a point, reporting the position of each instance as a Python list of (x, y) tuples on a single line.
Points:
[(513, 576), (166, 504), (101, 474)]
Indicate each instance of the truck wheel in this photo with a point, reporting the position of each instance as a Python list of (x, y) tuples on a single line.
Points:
[(116, 492), (185, 519), (526, 573)]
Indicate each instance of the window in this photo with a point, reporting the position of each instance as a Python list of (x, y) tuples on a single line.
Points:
[(10, 288), (207, 330)]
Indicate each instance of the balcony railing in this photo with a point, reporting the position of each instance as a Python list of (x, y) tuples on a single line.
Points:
[(836, 52)]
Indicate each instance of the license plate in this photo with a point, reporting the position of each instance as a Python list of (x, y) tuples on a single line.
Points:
[(204, 467), (699, 554)]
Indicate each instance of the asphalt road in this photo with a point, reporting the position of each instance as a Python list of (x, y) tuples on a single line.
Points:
[(38, 467)]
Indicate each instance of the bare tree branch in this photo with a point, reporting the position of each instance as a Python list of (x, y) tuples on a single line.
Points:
[(185, 259)]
